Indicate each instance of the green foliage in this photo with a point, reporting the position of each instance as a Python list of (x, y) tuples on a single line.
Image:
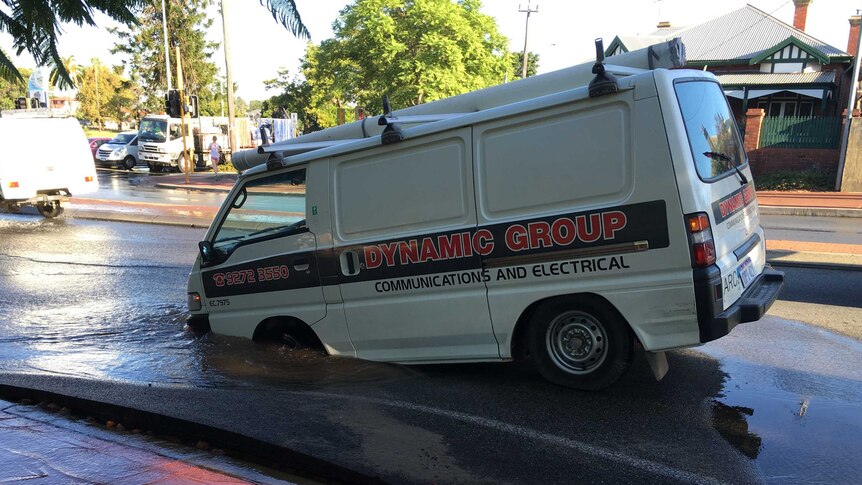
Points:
[(36, 24), (413, 50), (143, 48), (295, 97), (810, 180), (517, 58), (10, 90), (105, 94)]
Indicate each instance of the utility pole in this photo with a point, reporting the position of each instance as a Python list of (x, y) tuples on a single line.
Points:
[(230, 107), (165, 34), (186, 163), (98, 103), (527, 11)]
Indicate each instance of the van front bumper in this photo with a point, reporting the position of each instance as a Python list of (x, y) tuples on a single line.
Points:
[(750, 307)]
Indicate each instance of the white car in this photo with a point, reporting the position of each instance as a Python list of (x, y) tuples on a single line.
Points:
[(122, 151)]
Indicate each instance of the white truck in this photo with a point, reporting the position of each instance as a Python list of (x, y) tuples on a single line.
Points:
[(566, 217), (44, 159), (160, 141)]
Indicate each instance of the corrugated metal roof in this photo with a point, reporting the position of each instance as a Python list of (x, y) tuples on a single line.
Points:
[(738, 35), (755, 79)]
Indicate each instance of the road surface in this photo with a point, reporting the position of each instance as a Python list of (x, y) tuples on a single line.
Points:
[(102, 314)]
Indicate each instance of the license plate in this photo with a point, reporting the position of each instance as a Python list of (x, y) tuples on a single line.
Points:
[(746, 272), (736, 281)]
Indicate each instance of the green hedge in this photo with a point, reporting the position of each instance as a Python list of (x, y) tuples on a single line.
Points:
[(811, 180)]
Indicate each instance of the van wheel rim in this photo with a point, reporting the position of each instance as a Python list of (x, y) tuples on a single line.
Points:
[(576, 342)]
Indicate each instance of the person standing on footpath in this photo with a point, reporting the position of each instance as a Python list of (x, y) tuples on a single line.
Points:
[(215, 155)]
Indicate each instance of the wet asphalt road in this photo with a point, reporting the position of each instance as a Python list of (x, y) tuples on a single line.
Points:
[(98, 308)]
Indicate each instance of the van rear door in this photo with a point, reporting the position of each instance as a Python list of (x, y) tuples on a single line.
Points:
[(723, 190)]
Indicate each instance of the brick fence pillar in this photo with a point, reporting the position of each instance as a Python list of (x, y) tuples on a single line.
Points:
[(753, 120)]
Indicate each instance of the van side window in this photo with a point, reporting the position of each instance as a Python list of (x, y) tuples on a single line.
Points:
[(263, 208), (712, 133)]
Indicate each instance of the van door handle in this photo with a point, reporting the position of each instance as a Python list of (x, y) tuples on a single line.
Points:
[(349, 263), (300, 264)]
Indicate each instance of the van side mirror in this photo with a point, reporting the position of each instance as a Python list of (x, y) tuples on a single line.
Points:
[(206, 250)]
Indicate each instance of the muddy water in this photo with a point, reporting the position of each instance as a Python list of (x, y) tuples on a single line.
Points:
[(107, 301)]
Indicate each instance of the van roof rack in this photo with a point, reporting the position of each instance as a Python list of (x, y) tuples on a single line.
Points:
[(670, 54)]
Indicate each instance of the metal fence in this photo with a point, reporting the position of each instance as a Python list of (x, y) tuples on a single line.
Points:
[(800, 132)]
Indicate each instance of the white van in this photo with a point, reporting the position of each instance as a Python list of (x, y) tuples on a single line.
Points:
[(43, 160), (566, 227), (121, 151)]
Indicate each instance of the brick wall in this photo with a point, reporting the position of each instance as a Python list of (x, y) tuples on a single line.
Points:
[(767, 160)]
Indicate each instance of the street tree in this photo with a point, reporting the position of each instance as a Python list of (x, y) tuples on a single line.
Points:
[(143, 47), (71, 67), (104, 94), (13, 89), (517, 59), (413, 50), (294, 97), (36, 25)]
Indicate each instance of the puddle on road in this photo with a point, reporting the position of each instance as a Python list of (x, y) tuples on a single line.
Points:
[(153, 345), (797, 419)]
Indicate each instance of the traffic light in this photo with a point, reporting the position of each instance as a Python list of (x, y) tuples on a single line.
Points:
[(21, 103), (172, 103), (192, 108)]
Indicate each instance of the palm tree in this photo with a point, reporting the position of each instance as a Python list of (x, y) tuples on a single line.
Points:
[(34, 26), (72, 68)]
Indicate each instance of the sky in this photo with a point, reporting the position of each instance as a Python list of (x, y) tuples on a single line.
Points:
[(562, 32)]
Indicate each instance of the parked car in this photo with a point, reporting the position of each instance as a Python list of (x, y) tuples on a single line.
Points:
[(95, 143), (122, 151)]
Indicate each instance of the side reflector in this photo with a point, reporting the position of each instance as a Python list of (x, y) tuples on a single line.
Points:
[(194, 301), (13, 185), (88, 178)]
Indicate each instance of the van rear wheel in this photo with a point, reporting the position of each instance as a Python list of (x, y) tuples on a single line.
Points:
[(49, 209), (580, 343)]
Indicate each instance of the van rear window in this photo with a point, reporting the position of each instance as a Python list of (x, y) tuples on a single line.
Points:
[(712, 133)]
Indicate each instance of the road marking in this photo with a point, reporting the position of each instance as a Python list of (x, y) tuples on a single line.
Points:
[(533, 434)]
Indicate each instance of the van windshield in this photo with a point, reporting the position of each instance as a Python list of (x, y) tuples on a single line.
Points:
[(712, 132), (122, 139), (264, 207)]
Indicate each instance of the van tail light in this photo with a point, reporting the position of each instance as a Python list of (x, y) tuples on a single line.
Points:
[(88, 178), (700, 238), (13, 185)]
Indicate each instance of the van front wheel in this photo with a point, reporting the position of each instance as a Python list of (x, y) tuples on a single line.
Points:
[(580, 343)]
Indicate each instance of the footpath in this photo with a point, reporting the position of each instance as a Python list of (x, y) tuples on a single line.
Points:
[(779, 252)]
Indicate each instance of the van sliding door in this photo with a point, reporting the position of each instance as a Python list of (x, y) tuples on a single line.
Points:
[(404, 229)]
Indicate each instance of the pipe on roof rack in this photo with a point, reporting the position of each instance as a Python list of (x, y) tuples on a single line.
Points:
[(669, 54)]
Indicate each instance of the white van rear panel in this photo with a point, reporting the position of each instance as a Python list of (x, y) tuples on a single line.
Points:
[(730, 204), (44, 155)]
